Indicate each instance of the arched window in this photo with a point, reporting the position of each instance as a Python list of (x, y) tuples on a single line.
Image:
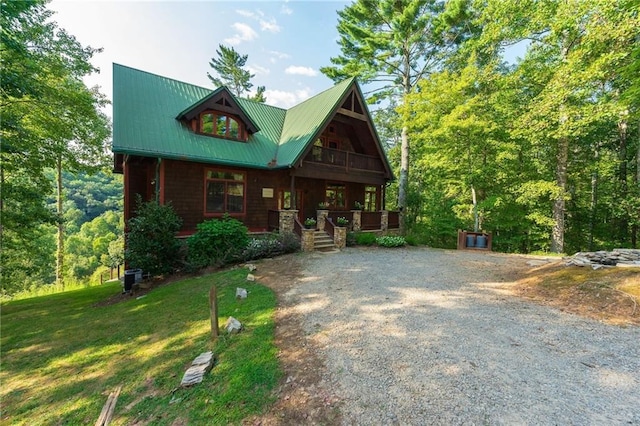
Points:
[(221, 125)]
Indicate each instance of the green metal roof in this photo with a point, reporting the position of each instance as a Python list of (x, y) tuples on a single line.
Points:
[(145, 107)]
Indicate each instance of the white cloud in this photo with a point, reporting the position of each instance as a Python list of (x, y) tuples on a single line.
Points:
[(266, 24), (271, 25), (285, 99), (258, 70), (296, 70), (246, 13), (275, 55), (286, 10), (244, 33)]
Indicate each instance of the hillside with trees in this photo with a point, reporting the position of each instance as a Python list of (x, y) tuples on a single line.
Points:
[(549, 144)]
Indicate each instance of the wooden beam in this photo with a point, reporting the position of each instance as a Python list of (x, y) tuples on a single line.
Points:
[(352, 114)]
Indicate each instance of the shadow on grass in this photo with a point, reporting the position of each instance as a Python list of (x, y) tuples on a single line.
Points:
[(62, 356)]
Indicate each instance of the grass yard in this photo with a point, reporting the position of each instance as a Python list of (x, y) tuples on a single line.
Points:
[(62, 355)]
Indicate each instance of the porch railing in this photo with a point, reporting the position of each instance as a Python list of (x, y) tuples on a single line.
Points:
[(344, 159), (370, 220), (329, 228), (297, 226)]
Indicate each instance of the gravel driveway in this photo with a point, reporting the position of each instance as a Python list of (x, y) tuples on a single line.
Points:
[(420, 336)]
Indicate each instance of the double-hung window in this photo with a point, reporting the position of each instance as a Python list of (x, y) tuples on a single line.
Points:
[(224, 192)]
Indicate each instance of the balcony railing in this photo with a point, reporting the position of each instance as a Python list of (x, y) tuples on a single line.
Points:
[(344, 159)]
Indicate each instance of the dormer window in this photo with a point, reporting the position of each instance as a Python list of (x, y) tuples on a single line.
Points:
[(221, 125)]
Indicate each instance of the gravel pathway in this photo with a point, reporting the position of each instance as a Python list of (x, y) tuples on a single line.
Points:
[(420, 336)]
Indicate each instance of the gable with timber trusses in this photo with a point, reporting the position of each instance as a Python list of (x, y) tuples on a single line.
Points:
[(219, 115)]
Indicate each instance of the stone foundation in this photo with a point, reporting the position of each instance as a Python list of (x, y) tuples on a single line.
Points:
[(286, 220), (307, 239), (340, 237), (357, 219)]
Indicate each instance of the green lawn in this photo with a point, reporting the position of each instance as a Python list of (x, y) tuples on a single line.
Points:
[(62, 355)]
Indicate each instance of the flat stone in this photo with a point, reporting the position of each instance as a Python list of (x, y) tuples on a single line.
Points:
[(233, 325), (241, 293), (199, 367), (251, 267), (251, 277)]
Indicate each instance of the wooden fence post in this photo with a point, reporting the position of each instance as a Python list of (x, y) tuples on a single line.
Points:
[(213, 308)]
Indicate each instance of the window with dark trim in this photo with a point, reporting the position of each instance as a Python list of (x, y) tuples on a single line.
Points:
[(224, 192), (221, 125), (370, 198), (335, 195)]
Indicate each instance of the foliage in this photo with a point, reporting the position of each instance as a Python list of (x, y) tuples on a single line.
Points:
[(273, 245), (342, 221), (217, 242), (310, 222), (390, 241), (389, 43), (49, 118), (98, 347), (94, 244), (151, 240), (351, 239), (229, 67), (259, 96), (365, 238), (323, 205)]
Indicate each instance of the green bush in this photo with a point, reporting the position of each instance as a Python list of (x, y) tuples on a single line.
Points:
[(273, 245), (290, 242), (365, 238), (216, 243), (351, 239), (389, 241), (412, 240), (151, 241)]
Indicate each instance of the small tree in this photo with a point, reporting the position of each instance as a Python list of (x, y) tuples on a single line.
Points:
[(151, 241)]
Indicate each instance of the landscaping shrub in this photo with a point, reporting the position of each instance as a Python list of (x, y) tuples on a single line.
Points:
[(412, 240), (217, 242), (365, 238), (259, 248), (151, 241), (389, 241), (351, 239), (290, 242), (273, 245)]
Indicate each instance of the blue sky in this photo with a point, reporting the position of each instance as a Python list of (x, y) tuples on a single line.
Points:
[(287, 41)]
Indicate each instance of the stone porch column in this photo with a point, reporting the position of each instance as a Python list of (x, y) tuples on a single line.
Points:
[(357, 219), (286, 220), (384, 220), (340, 236), (308, 239), (321, 217)]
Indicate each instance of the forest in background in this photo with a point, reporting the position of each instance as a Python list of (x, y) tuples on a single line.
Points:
[(549, 145)]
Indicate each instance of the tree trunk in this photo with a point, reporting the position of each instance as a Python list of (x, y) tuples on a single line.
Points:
[(403, 182), (404, 177), (60, 245), (634, 228), (623, 223), (557, 232)]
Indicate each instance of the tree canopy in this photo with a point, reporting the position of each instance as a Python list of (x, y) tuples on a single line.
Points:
[(229, 66), (49, 117)]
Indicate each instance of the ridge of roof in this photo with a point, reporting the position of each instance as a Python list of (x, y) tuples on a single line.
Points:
[(162, 76)]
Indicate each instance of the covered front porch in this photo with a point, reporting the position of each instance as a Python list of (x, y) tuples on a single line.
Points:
[(287, 220)]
